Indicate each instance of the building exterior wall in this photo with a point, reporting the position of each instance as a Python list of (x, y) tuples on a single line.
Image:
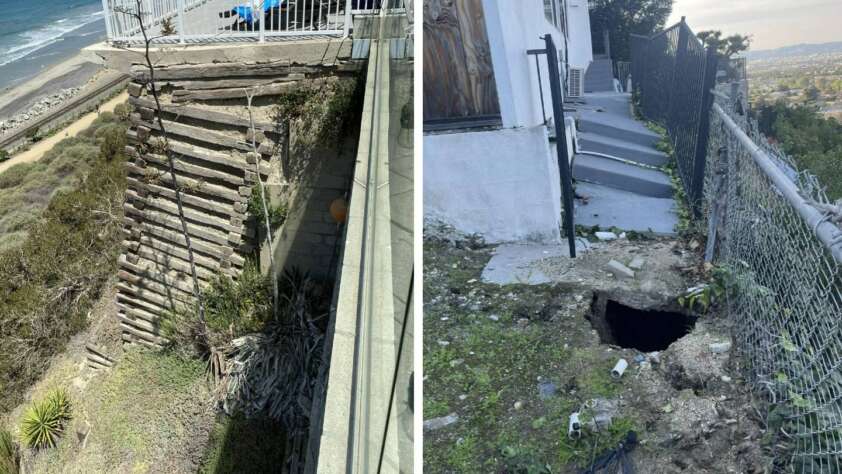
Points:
[(580, 49), (502, 184)]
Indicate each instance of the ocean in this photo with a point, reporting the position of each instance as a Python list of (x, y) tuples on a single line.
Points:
[(37, 34)]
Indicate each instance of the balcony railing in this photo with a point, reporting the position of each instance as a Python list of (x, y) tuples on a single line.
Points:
[(222, 21)]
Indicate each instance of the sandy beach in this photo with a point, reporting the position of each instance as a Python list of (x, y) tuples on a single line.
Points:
[(39, 149), (78, 71)]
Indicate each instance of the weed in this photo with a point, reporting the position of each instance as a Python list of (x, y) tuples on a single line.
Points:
[(44, 422), (66, 250), (9, 453), (277, 214)]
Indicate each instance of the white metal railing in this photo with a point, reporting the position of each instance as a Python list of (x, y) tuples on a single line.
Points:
[(214, 21)]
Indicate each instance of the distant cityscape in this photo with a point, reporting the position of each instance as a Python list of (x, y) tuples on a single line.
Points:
[(802, 74)]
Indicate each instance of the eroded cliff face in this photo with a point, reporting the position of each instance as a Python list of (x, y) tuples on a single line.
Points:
[(221, 147)]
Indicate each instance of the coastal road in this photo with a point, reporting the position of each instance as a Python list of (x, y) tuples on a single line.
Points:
[(39, 149)]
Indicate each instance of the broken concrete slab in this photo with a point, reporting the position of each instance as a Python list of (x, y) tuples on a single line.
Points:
[(619, 270), (514, 263), (440, 422), (637, 263)]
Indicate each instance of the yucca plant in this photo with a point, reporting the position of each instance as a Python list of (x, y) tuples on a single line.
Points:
[(9, 456), (44, 421)]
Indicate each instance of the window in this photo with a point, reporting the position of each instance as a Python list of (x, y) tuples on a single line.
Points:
[(556, 13)]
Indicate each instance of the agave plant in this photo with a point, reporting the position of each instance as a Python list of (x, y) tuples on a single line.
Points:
[(44, 422), (9, 456)]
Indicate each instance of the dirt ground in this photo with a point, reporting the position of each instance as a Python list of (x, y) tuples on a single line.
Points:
[(506, 365)]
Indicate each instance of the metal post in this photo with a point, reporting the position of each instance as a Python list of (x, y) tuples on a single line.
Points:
[(181, 21), (561, 143), (541, 89), (348, 18), (680, 55), (261, 15), (700, 159)]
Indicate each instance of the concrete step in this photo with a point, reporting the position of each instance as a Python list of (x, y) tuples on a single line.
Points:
[(623, 176), (618, 129), (608, 207), (621, 149)]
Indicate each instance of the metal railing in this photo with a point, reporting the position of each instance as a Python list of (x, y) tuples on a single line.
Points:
[(672, 75), (622, 72), (777, 245), (219, 21)]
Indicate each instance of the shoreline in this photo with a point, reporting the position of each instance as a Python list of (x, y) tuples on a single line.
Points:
[(37, 150), (79, 72)]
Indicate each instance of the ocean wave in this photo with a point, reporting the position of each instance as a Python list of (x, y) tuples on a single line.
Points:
[(52, 33)]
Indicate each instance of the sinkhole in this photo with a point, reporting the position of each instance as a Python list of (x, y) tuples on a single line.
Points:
[(632, 328)]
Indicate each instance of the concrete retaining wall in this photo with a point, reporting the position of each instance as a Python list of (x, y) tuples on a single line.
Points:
[(209, 133)]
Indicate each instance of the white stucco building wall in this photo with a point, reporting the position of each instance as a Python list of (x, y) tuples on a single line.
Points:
[(504, 184), (579, 32)]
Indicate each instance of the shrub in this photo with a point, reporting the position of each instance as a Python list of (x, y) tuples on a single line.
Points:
[(45, 420), (64, 250), (4, 155), (9, 455), (277, 214)]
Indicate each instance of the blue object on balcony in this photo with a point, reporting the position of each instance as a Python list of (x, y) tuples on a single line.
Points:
[(246, 12)]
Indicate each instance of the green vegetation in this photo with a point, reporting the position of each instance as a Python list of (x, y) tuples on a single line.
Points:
[(152, 409), (9, 453), (45, 420), (237, 308), (319, 112), (484, 364), (814, 142), (4, 155), (728, 46), (26, 189), (66, 210), (624, 17), (277, 214), (238, 444)]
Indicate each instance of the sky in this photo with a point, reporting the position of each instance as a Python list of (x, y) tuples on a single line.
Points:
[(772, 23)]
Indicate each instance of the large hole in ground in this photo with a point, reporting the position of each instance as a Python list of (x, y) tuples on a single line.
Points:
[(633, 328)]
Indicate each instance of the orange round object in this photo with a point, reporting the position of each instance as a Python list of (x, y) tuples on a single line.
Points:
[(339, 210)]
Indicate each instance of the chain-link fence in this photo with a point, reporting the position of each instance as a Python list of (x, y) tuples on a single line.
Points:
[(777, 244)]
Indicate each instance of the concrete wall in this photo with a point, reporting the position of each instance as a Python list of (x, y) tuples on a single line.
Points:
[(503, 184), (513, 28)]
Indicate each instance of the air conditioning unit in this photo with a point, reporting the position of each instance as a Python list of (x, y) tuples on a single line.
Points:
[(576, 83)]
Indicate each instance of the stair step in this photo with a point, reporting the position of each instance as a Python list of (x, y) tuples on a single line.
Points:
[(608, 207), (591, 142), (623, 130), (623, 176)]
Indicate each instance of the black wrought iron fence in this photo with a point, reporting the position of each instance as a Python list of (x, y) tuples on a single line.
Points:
[(672, 75)]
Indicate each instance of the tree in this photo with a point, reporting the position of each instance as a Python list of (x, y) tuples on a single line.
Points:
[(621, 18), (728, 46)]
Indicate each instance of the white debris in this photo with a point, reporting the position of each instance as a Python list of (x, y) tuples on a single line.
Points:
[(441, 422), (720, 347), (637, 263), (605, 236)]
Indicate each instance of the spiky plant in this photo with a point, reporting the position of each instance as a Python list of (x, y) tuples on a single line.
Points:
[(9, 456), (44, 422)]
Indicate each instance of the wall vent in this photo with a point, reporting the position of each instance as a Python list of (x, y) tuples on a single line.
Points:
[(576, 83)]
